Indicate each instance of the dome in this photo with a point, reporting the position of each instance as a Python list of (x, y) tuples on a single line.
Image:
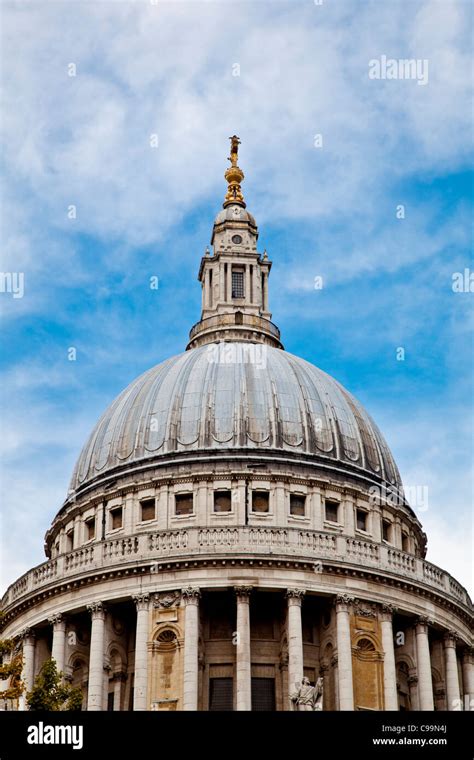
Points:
[(235, 213), (236, 395)]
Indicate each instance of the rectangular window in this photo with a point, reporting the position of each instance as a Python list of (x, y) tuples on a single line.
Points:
[(237, 283), (260, 501), (221, 694), (222, 501), (332, 510), (297, 504), (263, 694), (70, 540), (386, 527), (361, 519), (90, 528), (404, 542), (183, 503), (147, 510), (116, 518), (110, 701)]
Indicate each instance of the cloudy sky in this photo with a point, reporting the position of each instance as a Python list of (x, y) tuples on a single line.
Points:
[(115, 120)]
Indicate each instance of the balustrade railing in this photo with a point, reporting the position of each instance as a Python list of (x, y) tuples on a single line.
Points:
[(241, 540)]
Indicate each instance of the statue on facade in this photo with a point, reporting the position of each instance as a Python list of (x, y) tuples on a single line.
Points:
[(308, 697)]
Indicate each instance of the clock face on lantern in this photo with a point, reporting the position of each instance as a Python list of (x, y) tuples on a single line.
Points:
[(236, 239)]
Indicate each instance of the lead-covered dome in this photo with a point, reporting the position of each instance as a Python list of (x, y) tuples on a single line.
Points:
[(235, 395)]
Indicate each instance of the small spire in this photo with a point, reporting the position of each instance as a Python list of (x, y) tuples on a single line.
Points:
[(234, 176), (265, 255), (207, 252)]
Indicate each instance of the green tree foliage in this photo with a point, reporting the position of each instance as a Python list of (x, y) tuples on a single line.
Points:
[(11, 670), (50, 693)]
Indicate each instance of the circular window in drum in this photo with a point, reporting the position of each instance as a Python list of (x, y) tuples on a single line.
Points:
[(236, 239)]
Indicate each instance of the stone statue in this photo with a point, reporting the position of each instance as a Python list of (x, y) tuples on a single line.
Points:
[(308, 697)]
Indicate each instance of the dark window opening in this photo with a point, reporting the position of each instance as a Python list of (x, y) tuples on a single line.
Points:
[(332, 510), (260, 501), (183, 503), (386, 526), (110, 701), (263, 694), (116, 517), (237, 284), (222, 501), (90, 528), (147, 510), (297, 505), (70, 540), (221, 694), (404, 542), (361, 519)]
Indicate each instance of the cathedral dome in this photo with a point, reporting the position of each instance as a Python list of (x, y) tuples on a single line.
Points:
[(236, 395)]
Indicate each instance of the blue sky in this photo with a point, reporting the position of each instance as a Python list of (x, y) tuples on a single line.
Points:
[(168, 69)]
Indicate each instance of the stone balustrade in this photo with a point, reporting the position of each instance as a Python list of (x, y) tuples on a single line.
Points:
[(244, 541)]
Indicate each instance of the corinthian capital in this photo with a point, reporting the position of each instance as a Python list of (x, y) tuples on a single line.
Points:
[(191, 595), (141, 601), (243, 591), (344, 601), (295, 595), (97, 609)]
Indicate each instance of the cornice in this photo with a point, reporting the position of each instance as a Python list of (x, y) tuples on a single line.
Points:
[(331, 568)]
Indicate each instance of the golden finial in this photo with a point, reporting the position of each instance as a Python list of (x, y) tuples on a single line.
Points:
[(234, 176)]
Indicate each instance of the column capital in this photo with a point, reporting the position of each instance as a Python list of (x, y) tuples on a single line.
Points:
[(412, 680), (468, 655), (450, 639), (343, 602), (97, 610), (57, 619), (386, 612), (27, 633), (141, 601), (422, 624), (191, 595), (243, 592), (295, 596)]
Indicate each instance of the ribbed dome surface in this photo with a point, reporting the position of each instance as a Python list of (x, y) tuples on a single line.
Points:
[(235, 396)]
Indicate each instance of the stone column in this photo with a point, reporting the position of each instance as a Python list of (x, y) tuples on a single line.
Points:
[(389, 670), (59, 640), (413, 686), (141, 653), (96, 657), (243, 658), (265, 292), (247, 283), (453, 692), (29, 646), (229, 282), (425, 683), (295, 638), (344, 652), (468, 678), (191, 648), (118, 679)]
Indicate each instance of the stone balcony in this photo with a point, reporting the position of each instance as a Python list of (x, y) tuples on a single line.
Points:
[(240, 326), (228, 543)]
